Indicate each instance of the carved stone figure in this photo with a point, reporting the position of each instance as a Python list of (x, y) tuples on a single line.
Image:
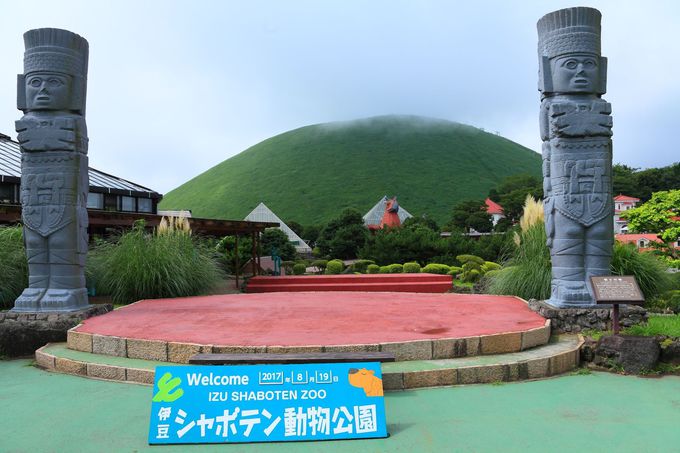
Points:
[(54, 181), (575, 125)]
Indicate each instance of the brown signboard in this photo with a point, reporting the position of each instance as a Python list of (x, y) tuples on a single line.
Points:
[(617, 289)]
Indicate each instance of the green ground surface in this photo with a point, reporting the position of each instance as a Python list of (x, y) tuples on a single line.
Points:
[(42, 412)]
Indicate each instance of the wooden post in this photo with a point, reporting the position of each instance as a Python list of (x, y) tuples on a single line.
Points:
[(237, 265), (253, 253)]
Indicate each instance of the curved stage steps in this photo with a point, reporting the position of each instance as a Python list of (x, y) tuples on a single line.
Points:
[(558, 356), (437, 339)]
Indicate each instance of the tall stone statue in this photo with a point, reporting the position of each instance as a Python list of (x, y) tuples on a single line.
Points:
[(576, 129), (54, 179)]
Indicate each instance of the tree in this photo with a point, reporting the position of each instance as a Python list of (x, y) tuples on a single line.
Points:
[(512, 192), (343, 236), (427, 222), (296, 227), (310, 234), (471, 214), (275, 239), (660, 215)]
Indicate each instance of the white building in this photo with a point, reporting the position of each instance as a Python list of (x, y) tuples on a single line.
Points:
[(263, 214)]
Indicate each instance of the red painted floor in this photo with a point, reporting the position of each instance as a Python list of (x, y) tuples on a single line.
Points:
[(294, 319)]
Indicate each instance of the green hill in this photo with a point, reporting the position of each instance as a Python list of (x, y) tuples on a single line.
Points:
[(310, 174)]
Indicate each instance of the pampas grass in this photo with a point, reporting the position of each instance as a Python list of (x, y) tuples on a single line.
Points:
[(141, 265), (527, 273)]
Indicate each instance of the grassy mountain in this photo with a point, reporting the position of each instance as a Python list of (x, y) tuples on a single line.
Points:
[(310, 174)]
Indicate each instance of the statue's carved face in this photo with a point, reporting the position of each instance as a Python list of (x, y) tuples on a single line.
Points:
[(575, 73), (48, 91)]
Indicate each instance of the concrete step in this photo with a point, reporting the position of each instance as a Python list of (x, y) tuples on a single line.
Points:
[(348, 278), (560, 355), (408, 287), (427, 283)]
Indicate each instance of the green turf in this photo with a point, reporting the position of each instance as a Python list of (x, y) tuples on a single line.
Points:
[(310, 174), (45, 412), (658, 325)]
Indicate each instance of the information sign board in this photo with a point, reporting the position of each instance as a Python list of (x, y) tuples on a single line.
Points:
[(621, 289), (262, 403)]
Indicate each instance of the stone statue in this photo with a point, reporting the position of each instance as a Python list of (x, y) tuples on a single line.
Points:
[(54, 180), (575, 125)]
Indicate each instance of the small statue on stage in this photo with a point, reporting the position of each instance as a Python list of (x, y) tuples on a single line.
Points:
[(54, 179), (575, 124)]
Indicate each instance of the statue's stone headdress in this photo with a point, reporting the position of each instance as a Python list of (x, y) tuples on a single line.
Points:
[(60, 51), (570, 30)]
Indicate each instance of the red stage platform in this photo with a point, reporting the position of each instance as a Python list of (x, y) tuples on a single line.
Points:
[(417, 283), (321, 319)]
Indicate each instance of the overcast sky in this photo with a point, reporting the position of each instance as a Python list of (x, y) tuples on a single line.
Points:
[(177, 87)]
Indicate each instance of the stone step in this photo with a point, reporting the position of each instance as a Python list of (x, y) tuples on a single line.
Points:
[(560, 355), (394, 287)]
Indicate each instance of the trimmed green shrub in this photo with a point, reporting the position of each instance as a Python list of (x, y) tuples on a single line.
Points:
[(455, 270), (147, 266), (372, 269), (411, 268), (384, 270), (13, 265), (334, 267), (396, 268), (299, 268), (361, 265), (434, 268), (320, 265), (288, 266), (490, 266), (470, 259)]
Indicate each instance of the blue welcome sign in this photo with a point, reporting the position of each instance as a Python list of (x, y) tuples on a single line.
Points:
[(264, 403)]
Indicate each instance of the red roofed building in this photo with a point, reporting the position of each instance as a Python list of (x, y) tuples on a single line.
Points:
[(622, 203), (641, 241), (494, 210)]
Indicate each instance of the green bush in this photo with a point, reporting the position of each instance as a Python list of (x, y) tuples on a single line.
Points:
[(472, 267), (490, 266), (334, 267), (435, 268), (146, 266), (527, 273), (455, 270), (288, 266), (361, 265), (372, 269), (13, 265), (299, 268), (384, 270), (411, 268), (649, 271), (320, 265), (396, 268)]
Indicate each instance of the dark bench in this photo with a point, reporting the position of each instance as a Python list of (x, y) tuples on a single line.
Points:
[(292, 358)]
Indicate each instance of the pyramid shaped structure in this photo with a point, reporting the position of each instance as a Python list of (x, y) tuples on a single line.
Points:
[(374, 215), (263, 214)]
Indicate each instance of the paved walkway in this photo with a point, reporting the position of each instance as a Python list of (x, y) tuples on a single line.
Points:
[(330, 318), (42, 412)]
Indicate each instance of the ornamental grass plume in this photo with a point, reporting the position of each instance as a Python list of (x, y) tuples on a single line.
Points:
[(527, 273)]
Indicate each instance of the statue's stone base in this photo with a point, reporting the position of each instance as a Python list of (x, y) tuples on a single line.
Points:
[(598, 317), (22, 333)]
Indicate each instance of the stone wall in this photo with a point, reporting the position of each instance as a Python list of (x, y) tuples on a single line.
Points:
[(23, 333), (574, 320)]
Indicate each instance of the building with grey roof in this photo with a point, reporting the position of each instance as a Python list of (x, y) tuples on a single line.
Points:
[(107, 192)]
